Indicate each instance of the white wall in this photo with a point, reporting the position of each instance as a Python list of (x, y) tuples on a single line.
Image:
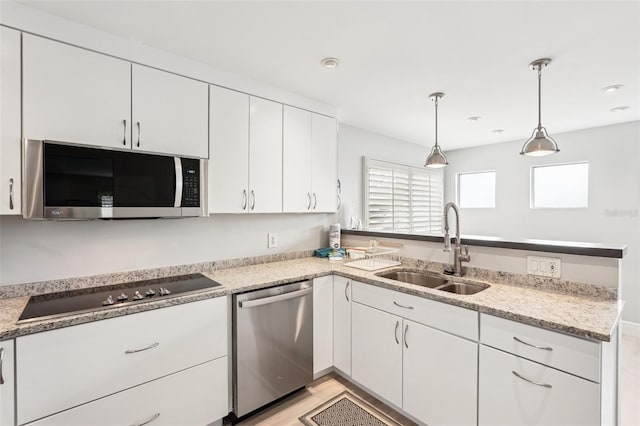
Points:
[(612, 217), (42, 250)]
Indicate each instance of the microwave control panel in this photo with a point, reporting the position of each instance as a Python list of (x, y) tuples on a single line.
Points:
[(190, 182)]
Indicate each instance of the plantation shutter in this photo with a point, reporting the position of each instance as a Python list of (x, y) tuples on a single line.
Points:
[(402, 199)]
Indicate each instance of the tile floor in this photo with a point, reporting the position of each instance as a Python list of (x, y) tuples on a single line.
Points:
[(286, 413)]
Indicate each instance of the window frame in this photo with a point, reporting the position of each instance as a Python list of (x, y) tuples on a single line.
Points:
[(495, 187), (532, 204)]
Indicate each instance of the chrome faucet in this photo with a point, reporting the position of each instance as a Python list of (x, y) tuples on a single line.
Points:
[(460, 252)]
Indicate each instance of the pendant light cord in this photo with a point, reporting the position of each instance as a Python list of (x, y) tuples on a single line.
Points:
[(539, 97), (436, 101)]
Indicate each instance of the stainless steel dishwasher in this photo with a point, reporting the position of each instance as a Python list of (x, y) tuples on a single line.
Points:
[(272, 344)]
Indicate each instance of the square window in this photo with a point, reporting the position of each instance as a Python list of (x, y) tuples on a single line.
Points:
[(477, 190), (560, 186)]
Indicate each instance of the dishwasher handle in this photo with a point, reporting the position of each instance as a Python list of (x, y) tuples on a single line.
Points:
[(273, 299)]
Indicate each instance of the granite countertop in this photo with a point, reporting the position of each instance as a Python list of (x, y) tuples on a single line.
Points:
[(582, 315)]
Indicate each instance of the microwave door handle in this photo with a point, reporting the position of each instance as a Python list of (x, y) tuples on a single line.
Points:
[(178, 198)]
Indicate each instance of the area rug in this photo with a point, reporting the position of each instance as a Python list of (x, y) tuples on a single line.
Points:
[(346, 409)]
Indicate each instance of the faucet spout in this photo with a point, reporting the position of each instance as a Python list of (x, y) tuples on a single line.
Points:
[(460, 252)]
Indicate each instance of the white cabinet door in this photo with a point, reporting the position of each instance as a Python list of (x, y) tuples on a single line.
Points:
[(265, 156), (439, 376), (342, 324), (324, 163), (10, 143), (7, 384), (296, 167), (197, 396), (74, 95), (515, 391), (229, 151), (170, 113), (377, 352), (322, 323)]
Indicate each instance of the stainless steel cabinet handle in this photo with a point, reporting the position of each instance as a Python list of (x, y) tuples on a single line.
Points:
[(272, 299), (1, 363), (544, 385), (133, 351), (124, 132), (244, 199), (346, 289), (315, 201), (152, 418), (406, 328), (253, 200), (11, 194), (138, 124), (396, 333), (309, 203), (402, 306), (544, 348)]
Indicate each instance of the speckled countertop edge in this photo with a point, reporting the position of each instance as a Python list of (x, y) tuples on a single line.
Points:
[(582, 316)]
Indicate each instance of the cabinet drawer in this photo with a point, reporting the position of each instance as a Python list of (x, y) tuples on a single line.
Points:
[(506, 399), (60, 369), (571, 354), (452, 319), (197, 396)]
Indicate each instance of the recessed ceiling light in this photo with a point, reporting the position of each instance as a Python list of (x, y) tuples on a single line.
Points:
[(612, 88), (330, 62), (497, 131), (619, 108), (473, 119)]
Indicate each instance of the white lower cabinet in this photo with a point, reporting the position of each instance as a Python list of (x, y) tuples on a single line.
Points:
[(439, 376), (377, 352), (191, 397), (7, 384), (322, 323), (515, 391), (342, 324), (64, 368)]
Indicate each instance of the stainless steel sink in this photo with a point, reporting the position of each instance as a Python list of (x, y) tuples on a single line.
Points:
[(434, 281), (423, 279), (462, 288)]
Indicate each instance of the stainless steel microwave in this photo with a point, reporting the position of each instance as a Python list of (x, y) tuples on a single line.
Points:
[(68, 181)]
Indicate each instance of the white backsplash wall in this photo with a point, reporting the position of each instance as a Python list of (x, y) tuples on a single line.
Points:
[(613, 215), (41, 250)]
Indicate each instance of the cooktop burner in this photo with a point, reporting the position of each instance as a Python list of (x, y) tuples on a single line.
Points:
[(64, 303)]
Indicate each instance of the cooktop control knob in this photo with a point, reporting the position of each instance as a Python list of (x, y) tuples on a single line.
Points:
[(122, 297), (150, 293), (164, 291), (138, 296), (108, 302)]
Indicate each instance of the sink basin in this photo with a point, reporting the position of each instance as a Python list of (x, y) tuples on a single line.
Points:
[(462, 288), (423, 279)]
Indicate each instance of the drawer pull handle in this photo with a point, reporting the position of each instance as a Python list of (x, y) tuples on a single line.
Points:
[(152, 418), (133, 351), (544, 385), (396, 333), (346, 290), (544, 348), (402, 306), (1, 362)]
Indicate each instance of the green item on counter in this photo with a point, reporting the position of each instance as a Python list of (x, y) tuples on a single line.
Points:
[(325, 252)]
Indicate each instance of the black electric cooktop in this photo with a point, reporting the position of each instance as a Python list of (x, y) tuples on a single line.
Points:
[(53, 305)]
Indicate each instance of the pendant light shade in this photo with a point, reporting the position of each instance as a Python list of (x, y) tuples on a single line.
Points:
[(436, 158), (540, 143)]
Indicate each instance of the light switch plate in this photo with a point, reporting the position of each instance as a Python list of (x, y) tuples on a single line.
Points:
[(544, 266)]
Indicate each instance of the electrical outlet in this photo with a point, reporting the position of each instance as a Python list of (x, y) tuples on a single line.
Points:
[(272, 240), (544, 266)]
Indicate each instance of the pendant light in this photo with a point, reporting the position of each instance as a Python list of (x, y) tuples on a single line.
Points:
[(540, 143), (436, 158)]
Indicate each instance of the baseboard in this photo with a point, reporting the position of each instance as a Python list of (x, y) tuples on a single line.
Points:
[(630, 328)]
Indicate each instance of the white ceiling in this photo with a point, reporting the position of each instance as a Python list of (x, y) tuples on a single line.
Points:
[(393, 54)]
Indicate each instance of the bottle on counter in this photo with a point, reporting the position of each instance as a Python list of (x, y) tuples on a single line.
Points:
[(334, 236)]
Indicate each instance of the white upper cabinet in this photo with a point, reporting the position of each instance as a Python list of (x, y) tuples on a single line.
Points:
[(169, 113), (309, 162), (10, 145), (229, 151), (265, 156), (74, 95)]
